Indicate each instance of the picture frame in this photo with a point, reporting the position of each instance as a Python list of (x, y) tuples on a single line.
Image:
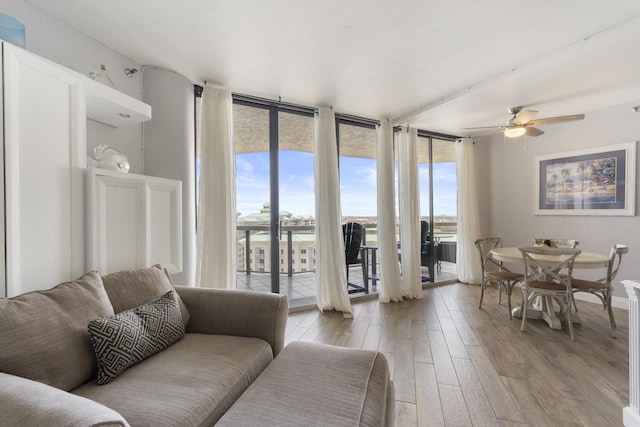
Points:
[(594, 181)]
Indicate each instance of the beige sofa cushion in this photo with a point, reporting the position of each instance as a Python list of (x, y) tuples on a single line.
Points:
[(191, 383), (128, 289), (43, 334)]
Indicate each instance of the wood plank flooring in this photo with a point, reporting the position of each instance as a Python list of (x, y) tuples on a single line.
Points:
[(456, 365)]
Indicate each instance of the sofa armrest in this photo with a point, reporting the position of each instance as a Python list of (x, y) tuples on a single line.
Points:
[(25, 402), (237, 312)]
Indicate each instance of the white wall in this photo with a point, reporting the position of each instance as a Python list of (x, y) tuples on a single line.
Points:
[(509, 174), (52, 39), (169, 150)]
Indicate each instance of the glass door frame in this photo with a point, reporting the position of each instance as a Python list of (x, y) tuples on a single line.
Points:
[(430, 136), (274, 108)]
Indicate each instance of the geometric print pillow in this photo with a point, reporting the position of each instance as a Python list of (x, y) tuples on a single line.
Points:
[(122, 340)]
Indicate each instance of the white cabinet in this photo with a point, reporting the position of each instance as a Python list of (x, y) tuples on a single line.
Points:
[(43, 114), (44, 154), (133, 221)]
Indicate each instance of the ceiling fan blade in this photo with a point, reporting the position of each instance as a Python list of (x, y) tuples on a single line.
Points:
[(524, 117), (488, 127), (554, 120), (531, 131)]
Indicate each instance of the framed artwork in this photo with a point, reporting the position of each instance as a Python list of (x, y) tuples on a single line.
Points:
[(593, 181)]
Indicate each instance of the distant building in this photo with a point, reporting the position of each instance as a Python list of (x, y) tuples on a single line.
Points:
[(303, 243)]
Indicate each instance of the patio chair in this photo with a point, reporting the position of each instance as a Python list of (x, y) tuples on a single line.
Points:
[(425, 251), (603, 288), (542, 278), (352, 234), (494, 271)]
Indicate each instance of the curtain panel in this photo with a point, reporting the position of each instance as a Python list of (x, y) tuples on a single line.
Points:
[(409, 190), (331, 274), (468, 260), (390, 284), (216, 237)]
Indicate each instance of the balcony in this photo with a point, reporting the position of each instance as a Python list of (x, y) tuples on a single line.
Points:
[(297, 244)]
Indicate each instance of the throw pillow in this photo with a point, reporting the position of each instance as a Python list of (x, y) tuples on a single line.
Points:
[(122, 340)]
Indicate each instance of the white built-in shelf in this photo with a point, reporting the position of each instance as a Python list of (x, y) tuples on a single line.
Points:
[(109, 106)]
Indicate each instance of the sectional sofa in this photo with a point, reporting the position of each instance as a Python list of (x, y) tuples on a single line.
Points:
[(129, 348)]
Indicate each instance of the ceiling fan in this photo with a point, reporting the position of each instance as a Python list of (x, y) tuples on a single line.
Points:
[(522, 123)]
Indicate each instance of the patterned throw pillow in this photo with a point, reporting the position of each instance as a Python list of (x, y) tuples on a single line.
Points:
[(122, 340)]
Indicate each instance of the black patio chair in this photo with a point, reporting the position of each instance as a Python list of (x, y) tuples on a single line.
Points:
[(352, 234)]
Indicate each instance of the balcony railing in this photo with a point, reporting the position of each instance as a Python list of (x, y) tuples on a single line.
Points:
[(445, 234)]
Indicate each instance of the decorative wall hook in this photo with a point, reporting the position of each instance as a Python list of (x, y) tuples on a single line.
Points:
[(129, 72)]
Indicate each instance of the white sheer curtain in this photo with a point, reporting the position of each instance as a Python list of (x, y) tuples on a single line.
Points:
[(390, 284), (409, 214), (216, 260), (331, 276), (468, 260)]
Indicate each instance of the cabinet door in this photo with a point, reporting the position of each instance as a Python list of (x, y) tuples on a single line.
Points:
[(133, 221), (45, 151)]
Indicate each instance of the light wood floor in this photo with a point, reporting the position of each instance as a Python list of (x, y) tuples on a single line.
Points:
[(456, 365)]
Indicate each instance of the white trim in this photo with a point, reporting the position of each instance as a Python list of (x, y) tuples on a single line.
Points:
[(630, 417), (616, 302)]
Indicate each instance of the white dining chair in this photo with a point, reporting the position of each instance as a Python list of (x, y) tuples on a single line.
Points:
[(494, 271), (603, 288), (542, 277)]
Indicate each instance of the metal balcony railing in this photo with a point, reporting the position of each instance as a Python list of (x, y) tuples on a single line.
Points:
[(289, 230)]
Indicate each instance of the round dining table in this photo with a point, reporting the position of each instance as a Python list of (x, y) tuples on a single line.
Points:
[(585, 260), (542, 307)]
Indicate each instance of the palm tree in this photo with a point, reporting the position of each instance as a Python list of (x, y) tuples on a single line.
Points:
[(565, 175), (582, 167)]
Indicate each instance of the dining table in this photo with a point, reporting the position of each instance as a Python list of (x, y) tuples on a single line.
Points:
[(542, 307)]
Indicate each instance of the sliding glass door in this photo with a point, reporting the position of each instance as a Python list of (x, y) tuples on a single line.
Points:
[(438, 202), (274, 196)]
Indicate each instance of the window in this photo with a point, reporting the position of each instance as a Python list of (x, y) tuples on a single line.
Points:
[(358, 182)]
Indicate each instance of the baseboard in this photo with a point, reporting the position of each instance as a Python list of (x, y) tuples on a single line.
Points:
[(616, 302)]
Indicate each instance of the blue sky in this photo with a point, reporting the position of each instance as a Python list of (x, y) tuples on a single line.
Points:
[(357, 185)]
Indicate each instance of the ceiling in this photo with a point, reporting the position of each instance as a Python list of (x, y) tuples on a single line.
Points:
[(437, 65)]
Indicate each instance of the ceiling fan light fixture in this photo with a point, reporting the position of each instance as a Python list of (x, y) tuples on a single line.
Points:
[(514, 132)]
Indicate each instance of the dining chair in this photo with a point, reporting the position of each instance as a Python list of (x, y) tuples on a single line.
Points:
[(556, 243), (542, 277), (603, 288), (494, 271)]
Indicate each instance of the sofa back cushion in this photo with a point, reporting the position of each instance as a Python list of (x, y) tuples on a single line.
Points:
[(44, 336), (128, 289)]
